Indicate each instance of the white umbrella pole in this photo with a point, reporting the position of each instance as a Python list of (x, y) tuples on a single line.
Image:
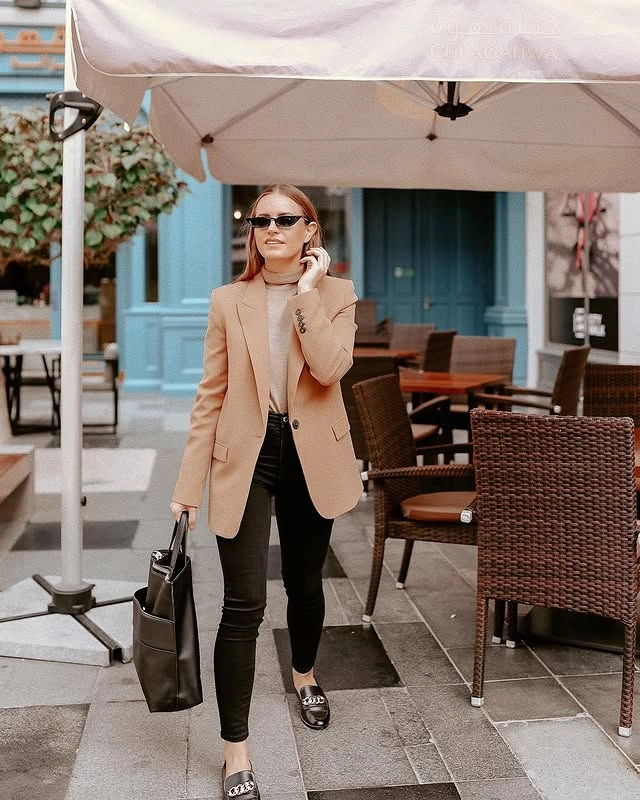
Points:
[(71, 333), (586, 264)]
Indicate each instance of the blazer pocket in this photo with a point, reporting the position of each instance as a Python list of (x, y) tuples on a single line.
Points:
[(220, 451), (341, 428)]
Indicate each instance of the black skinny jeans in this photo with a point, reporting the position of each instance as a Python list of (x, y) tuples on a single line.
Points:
[(304, 540)]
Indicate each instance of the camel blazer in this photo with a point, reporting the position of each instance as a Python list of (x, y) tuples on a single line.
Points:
[(229, 416)]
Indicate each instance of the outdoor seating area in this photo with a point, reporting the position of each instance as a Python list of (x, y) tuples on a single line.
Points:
[(208, 197), (400, 687)]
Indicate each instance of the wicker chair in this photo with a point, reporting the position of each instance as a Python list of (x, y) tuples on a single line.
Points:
[(410, 502), (564, 397), (371, 333), (556, 518), (437, 352), (410, 336), (494, 354), (612, 390), (363, 367), (430, 413)]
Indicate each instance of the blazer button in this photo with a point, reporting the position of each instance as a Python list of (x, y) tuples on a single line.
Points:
[(295, 424)]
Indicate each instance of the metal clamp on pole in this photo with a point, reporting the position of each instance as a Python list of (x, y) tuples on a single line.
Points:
[(88, 112)]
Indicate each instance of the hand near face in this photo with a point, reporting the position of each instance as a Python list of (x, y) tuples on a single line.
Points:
[(316, 262)]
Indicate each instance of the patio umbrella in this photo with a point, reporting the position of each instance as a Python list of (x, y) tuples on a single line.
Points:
[(529, 96), (373, 93)]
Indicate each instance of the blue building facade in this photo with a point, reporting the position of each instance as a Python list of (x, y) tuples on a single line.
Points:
[(161, 308)]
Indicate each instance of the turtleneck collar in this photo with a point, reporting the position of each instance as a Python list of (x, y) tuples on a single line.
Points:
[(282, 277)]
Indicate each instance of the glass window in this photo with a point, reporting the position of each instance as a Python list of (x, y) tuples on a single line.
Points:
[(333, 204), (568, 277)]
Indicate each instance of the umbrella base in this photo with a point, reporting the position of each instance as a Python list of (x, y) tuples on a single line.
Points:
[(32, 626)]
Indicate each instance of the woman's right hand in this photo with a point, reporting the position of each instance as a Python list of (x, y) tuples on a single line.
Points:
[(178, 508)]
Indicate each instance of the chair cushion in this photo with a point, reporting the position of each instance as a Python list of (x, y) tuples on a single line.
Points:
[(421, 432), (436, 506)]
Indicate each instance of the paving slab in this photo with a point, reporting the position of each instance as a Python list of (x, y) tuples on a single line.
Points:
[(38, 750), (529, 698), (501, 663), (501, 789), (127, 753), (360, 749), (469, 744), (349, 657), (601, 695), (392, 604), (416, 655), (28, 682), (427, 763), (434, 791), (572, 760), (562, 660), (272, 747), (405, 717)]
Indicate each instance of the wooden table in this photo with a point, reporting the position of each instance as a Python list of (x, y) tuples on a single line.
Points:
[(636, 435), (400, 354), (445, 382), (13, 355)]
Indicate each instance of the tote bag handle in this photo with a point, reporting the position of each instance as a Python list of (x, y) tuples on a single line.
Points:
[(178, 544)]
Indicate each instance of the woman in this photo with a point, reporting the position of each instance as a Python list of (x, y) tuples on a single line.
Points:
[(268, 421)]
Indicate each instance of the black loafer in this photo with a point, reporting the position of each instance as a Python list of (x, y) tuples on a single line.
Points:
[(241, 784), (314, 707)]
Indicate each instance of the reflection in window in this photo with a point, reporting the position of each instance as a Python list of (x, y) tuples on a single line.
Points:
[(333, 204)]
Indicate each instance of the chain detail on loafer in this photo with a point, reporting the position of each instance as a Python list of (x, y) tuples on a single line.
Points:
[(314, 707), (241, 785)]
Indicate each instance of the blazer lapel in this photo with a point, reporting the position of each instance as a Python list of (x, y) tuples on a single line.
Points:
[(252, 311)]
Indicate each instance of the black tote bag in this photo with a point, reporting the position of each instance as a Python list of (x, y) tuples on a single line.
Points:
[(166, 651)]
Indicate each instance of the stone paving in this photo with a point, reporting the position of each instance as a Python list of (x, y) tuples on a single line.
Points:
[(402, 724)]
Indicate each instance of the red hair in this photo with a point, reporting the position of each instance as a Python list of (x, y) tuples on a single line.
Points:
[(255, 261)]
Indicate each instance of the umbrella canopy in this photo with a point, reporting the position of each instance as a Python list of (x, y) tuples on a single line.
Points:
[(530, 96)]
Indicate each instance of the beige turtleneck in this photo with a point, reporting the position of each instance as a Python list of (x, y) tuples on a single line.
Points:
[(280, 287)]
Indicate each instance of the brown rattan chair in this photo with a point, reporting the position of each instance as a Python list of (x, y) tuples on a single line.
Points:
[(493, 354), (437, 352), (371, 332), (363, 367), (612, 390), (411, 502), (556, 516), (410, 335), (430, 413), (564, 397)]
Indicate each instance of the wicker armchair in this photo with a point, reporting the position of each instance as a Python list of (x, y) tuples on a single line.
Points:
[(371, 332), (430, 414), (612, 390), (556, 518), (564, 397), (411, 336), (493, 354), (363, 367), (437, 352), (411, 502)]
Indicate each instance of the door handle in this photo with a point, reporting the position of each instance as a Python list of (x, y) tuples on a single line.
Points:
[(426, 303)]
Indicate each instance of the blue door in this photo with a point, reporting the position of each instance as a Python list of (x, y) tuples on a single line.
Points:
[(429, 256)]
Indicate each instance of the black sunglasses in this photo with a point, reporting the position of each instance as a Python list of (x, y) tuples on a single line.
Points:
[(283, 221)]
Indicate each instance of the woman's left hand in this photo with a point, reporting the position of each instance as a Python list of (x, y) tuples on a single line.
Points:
[(316, 261)]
